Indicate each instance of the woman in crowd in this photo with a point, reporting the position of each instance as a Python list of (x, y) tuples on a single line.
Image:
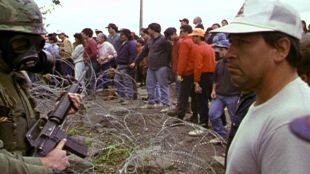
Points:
[(106, 54)]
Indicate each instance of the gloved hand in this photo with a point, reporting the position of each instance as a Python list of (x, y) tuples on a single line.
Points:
[(179, 78)]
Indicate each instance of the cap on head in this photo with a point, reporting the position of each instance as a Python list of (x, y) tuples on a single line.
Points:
[(98, 31), (113, 26), (265, 16), (223, 44), (21, 16), (184, 20), (61, 33), (198, 32)]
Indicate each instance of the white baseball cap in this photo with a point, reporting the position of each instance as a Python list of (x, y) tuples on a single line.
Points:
[(265, 16)]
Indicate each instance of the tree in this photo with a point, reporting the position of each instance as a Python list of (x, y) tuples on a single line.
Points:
[(49, 8), (56, 2)]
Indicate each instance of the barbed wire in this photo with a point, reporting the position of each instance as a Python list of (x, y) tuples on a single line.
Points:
[(148, 136)]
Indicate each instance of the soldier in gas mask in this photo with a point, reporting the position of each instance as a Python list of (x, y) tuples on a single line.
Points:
[(21, 46)]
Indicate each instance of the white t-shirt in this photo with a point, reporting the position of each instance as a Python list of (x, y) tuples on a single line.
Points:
[(264, 144)]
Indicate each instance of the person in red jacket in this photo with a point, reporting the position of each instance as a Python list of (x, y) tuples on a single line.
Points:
[(90, 59), (185, 69)]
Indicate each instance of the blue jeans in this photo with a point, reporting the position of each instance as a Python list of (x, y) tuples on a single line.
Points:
[(157, 86), (123, 82), (217, 109)]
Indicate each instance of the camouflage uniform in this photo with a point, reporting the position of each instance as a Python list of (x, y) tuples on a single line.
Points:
[(16, 105)]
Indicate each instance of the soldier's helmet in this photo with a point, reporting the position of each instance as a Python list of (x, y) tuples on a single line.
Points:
[(21, 16)]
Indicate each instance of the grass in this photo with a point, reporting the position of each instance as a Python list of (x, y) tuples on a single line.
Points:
[(74, 131), (113, 155)]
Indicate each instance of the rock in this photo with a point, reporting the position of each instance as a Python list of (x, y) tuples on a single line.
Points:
[(119, 111), (99, 127), (95, 117), (150, 160)]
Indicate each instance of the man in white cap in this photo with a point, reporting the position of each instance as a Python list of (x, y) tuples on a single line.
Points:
[(263, 57)]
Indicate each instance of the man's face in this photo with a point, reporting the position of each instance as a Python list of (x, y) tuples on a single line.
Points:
[(223, 52), (183, 33), (99, 39), (123, 37), (142, 34), (61, 36), (174, 36), (196, 39), (145, 36), (215, 27), (182, 23), (249, 60), (151, 32), (223, 23), (84, 35), (110, 30)]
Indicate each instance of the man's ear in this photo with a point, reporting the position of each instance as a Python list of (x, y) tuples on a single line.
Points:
[(283, 47)]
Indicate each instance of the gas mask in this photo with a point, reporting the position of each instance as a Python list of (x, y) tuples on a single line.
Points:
[(24, 52)]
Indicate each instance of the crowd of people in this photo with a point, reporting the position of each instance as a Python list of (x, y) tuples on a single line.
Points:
[(155, 60), (257, 67), (195, 60)]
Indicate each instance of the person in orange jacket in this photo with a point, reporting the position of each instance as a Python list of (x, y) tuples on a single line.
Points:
[(204, 67)]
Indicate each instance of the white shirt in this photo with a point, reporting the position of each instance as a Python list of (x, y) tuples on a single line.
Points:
[(264, 144), (106, 52)]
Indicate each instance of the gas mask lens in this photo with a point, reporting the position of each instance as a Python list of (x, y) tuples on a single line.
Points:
[(21, 44)]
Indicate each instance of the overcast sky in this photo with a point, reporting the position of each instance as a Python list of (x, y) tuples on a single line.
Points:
[(74, 15)]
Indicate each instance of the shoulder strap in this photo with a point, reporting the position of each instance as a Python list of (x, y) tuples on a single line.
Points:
[(23, 85), (15, 94)]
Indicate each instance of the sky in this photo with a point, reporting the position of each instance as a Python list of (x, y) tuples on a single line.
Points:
[(74, 15)]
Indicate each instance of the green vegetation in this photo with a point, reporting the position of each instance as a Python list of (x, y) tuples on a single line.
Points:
[(74, 131), (113, 155)]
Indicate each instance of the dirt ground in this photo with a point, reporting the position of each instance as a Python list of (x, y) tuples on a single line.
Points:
[(127, 139)]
